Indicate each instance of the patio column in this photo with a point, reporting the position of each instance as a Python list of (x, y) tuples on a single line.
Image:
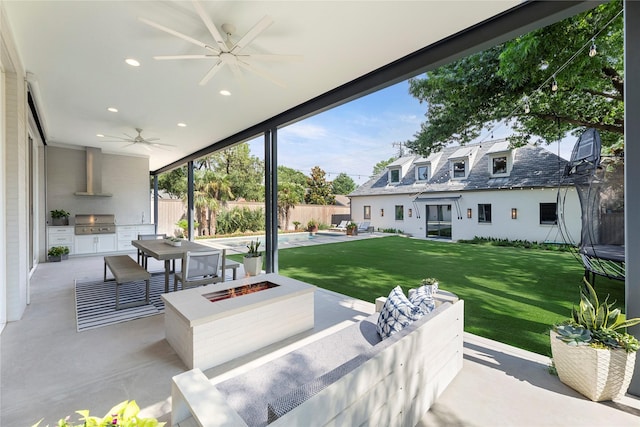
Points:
[(190, 233), (155, 203), (631, 171), (271, 199)]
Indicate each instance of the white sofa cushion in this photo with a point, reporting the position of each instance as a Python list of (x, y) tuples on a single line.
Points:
[(397, 313)]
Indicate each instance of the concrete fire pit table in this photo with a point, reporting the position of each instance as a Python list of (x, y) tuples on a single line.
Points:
[(213, 324)]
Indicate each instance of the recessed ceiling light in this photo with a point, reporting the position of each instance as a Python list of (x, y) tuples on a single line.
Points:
[(112, 109), (99, 135), (182, 125), (132, 62), (225, 92)]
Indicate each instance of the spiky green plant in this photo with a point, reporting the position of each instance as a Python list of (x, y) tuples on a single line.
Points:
[(595, 316), (605, 324)]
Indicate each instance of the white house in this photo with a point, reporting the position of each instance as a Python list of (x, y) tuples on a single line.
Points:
[(484, 190)]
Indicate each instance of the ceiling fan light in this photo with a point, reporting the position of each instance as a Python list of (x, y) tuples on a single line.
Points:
[(225, 92), (112, 109), (133, 62), (182, 125), (99, 135)]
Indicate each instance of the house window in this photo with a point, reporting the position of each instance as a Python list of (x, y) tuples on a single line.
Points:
[(499, 165), (422, 173), (548, 213), (399, 212), (484, 213), (395, 175), (367, 212), (459, 169)]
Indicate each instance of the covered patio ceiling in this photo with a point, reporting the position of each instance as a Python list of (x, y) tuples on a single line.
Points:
[(75, 51)]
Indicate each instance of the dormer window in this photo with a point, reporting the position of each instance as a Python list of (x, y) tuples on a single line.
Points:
[(423, 172), (394, 176), (459, 168), (500, 159), (499, 165), (461, 161)]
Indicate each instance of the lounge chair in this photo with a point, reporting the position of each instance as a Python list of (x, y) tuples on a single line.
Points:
[(340, 227), (363, 227)]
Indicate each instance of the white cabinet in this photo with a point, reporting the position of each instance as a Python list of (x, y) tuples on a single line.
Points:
[(127, 233), (60, 236), (95, 243)]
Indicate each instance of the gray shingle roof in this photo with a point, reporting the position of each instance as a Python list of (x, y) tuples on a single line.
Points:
[(532, 167)]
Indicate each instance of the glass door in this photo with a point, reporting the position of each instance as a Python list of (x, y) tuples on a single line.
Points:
[(438, 218)]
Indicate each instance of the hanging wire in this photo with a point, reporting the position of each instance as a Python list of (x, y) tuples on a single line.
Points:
[(590, 42)]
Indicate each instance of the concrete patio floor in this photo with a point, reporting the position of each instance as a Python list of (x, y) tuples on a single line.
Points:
[(48, 370)]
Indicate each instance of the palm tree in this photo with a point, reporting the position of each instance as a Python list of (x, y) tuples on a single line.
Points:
[(211, 191), (289, 195)]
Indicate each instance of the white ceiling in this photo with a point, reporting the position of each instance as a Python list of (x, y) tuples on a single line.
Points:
[(75, 51)]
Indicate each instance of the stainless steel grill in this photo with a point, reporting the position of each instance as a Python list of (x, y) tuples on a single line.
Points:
[(95, 224)]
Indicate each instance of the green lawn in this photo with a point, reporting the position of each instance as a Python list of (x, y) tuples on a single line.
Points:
[(511, 295)]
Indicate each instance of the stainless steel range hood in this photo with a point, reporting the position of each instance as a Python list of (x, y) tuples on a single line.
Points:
[(94, 174)]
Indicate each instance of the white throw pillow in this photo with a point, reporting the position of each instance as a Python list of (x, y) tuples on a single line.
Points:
[(397, 313), (423, 298)]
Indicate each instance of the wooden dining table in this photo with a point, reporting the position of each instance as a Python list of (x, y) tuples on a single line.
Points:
[(162, 251)]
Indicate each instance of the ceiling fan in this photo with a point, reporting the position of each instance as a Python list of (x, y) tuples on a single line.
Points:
[(224, 51), (138, 139)]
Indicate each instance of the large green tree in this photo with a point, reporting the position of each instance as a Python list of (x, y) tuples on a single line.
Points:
[(244, 172), (173, 183), (343, 184), (286, 174), (319, 190), (512, 82), (381, 165)]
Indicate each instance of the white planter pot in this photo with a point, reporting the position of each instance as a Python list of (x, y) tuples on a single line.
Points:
[(597, 374), (252, 265)]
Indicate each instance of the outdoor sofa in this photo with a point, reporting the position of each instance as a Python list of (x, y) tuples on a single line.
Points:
[(350, 377)]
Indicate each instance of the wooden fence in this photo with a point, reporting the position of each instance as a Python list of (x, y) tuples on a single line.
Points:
[(170, 211)]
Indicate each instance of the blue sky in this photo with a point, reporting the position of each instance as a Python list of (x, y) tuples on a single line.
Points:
[(355, 136)]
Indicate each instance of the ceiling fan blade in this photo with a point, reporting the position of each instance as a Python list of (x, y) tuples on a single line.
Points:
[(119, 138), (271, 57), (235, 69), (165, 57), (222, 46), (178, 34), (254, 32), (157, 144), (261, 73), (212, 71), (149, 140), (146, 146)]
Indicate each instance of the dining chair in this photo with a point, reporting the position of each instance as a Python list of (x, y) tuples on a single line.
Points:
[(199, 268), (142, 257)]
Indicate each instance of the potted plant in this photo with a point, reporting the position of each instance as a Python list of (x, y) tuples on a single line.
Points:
[(55, 253), (591, 351), (352, 229), (252, 260), (65, 252), (312, 226), (296, 225), (59, 217), (125, 414)]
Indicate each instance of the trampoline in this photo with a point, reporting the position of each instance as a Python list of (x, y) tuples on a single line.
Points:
[(600, 186)]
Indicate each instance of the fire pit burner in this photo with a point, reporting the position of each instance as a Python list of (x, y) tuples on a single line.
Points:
[(239, 291)]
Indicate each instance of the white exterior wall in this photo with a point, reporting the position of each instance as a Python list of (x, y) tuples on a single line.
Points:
[(14, 277), (526, 227)]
